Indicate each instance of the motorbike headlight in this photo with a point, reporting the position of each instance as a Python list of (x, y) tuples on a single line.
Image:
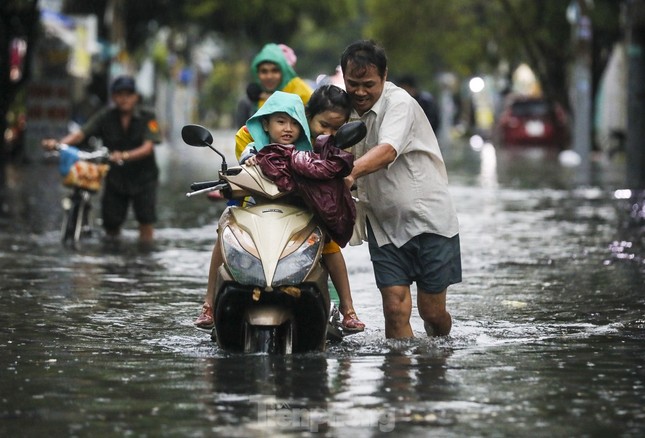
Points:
[(293, 268), (245, 268)]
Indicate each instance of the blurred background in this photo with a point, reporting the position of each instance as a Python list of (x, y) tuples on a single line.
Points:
[(562, 73)]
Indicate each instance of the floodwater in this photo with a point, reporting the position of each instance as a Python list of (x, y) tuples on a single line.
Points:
[(548, 335)]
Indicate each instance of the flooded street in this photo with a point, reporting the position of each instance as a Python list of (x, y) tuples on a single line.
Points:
[(548, 326)]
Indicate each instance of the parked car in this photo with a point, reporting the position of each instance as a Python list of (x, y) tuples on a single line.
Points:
[(532, 121)]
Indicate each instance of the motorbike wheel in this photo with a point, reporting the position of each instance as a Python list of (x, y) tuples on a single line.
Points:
[(257, 339), (286, 336), (78, 228), (64, 226), (69, 223), (88, 219), (271, 340)]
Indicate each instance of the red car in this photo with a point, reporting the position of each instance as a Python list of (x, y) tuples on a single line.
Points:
[(532, 121)]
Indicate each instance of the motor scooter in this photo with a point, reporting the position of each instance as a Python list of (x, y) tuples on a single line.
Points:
[(271, 294), (83, 172)]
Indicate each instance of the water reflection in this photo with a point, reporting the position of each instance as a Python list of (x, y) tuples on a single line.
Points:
[(275, 376), (269, 392), (414, 375), (547, 337), (325, 392)]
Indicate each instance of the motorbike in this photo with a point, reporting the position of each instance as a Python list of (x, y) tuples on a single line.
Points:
[(83, 172), (272, 291)]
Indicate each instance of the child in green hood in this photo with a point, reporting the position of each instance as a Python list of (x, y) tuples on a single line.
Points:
[(288, 105)]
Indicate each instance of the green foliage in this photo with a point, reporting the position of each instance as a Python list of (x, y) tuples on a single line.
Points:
[(160, 54), (217, 102), (317, 32), (261, 21), (477, 36), (319, 48), (425, 38)]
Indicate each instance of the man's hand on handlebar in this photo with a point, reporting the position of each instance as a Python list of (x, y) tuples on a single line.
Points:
[(119, 157), (49, 144), (350, 182)]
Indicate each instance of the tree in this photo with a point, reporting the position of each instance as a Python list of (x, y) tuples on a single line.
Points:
[(132, 19), (428, 37), (544, 37), (473, 36), (262, 21), (309, 26)]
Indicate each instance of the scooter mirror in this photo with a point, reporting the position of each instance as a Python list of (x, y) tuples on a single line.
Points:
[(349, 134), (196, 135)]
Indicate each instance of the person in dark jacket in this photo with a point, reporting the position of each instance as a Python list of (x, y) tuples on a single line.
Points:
[(425, 99), (130, 134)]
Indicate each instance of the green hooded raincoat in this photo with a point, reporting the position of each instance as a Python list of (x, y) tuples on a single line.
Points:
[(290, 82), (280, 102)]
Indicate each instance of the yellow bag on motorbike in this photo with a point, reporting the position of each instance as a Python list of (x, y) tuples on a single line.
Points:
[(86, 175)]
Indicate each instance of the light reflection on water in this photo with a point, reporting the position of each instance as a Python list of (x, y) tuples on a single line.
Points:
[(547, 337)]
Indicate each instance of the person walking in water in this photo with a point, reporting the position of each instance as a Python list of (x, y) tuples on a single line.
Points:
[(130, 134), (409, 219)]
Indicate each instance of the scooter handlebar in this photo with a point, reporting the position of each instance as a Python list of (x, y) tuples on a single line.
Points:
[(102, 154), (99, 155), (205, 187)]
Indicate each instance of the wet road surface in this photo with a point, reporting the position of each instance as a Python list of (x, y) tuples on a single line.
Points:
[(548, 334)]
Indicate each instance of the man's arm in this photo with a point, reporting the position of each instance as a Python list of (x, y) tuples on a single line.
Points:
[(379, 157), (73, 138), (135, 154)]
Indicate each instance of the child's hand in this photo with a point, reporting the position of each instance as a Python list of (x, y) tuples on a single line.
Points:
[(247, 154), (251, 161)]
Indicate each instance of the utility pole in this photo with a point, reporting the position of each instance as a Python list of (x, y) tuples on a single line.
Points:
[(581, 84), (635, 141), (115, 18)]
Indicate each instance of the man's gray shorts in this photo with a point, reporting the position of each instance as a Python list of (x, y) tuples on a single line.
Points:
[(430, 260)]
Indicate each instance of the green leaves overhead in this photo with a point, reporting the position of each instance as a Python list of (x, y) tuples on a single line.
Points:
[(261, 21)]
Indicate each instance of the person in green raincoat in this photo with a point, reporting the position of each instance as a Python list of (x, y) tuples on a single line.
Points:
[(271, 72)]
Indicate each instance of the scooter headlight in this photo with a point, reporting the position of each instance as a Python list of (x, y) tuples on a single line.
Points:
[(245, 268), (293, 268)]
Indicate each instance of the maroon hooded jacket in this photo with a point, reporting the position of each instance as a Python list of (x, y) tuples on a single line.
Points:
[(317, 177)]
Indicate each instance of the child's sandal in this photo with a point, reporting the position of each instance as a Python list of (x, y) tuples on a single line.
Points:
[(351, 323)]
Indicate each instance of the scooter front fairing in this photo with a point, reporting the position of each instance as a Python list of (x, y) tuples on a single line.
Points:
[(271, 262)]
